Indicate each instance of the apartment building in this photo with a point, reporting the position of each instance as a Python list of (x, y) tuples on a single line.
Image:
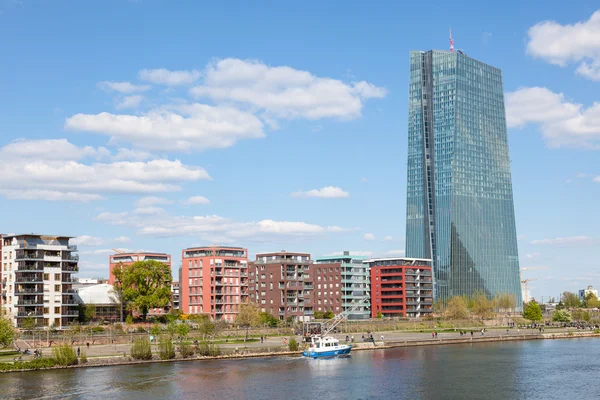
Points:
[(355, 283), (326, 278), (282, 285), (401, 287), (126, 259), (213, 281), (122, 259), (37, 279), (175, 295)]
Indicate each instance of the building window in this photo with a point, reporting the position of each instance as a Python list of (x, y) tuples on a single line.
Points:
[(57, 277), (56, 310), (46, 277), (57, 288)]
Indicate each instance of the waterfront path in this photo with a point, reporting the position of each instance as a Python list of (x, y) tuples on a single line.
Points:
[(390, 337)]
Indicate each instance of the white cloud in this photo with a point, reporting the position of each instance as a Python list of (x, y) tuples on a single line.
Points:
[(170, 78), (175, 128), (284, 92), (395, 253), (573, 241), (129, 102), (596, 179), (48, 195), (196, 200), (561, 122), (213, 228), (122, 87), (570, 43), (35, 174), (86, 240), (359, 253), (532, 256), (130, 154), (47, 149), (151, 201), (369, 236), (388, 238), (148, 210), (327, 192), (122, 239), (364, 180)]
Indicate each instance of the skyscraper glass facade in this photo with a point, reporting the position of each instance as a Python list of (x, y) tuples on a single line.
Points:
[(460, 210)]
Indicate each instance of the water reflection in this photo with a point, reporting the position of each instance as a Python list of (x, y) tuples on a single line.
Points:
[(517, 370)]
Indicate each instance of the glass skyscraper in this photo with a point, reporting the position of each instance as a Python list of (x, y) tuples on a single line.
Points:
[(460, 210)]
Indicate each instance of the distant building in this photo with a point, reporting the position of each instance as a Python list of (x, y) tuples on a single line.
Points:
[(213, 281), (175, 295), (100, 296), (355, 283), (401, 287), (459, 203), (37, 279), (585, 292), (281, 284), (126, 259)]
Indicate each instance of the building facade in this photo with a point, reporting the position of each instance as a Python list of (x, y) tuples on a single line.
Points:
[(282, 285), (126, 259), (460, 209), (214, 281), (37, 279), (401, 287), (585, 292), (99, 297), (175, 295), (355, 284)]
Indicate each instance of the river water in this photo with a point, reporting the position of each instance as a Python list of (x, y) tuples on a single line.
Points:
[(537, 369)]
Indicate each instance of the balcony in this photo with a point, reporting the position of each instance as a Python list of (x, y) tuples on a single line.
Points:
[(29, 290), (23, 266), (31, 302), (69, 313), (70, 268), (72, 247), (25, 278)]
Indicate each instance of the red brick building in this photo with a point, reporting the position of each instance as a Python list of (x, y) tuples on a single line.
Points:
[(213, 281), (401, 287), (289, 285)]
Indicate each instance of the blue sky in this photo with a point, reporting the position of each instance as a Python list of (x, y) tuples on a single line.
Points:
[(160, 125)]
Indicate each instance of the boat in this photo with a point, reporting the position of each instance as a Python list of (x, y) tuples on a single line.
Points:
[(325, 347)]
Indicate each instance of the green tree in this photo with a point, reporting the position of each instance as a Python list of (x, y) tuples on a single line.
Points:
[(570, 300), (248, 316), (28, 323), (481, 305), (129, 320), (268, 319), (561, 316), (117, 296), (505, 302), (319, 315), (329, 314), (532, 311), (7, 331), (183, 330), (379, 314), (145, 284), (581, 315), (89, 312), (560, 305), (155, 330), (205, 326), (590, 300), (456, 308)]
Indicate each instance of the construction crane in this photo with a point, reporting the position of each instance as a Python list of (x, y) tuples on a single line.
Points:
[(325, 328), (526, 287), (529, 269), (118, 251)]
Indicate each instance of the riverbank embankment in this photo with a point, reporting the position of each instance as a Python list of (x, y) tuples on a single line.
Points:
[(476, 339)]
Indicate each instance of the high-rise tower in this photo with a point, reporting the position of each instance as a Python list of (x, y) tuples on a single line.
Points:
[(460, 210)]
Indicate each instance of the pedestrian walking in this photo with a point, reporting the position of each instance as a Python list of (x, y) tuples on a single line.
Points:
[(432, 335), (382, 338), (78, 351)]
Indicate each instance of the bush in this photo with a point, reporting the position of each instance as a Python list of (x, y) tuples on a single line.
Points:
[(97, 329), (208, 349), (64, 355), (83, 358), (293, 344), (166, 351), (141, 349), (40, 363), (119, 327), (186, 350), (139, 329)]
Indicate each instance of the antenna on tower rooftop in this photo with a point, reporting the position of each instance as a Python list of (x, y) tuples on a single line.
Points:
[(451, 42)]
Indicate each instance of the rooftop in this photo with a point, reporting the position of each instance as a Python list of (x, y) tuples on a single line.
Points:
[(13, 235), (400, 259)]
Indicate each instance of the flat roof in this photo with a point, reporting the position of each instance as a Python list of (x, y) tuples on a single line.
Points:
[(327, 258), (214, 246), (137, 253), (282, 252), (396, 258), (36, 235)]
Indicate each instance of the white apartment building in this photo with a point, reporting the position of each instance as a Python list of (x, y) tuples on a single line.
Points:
[(36, 273)]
